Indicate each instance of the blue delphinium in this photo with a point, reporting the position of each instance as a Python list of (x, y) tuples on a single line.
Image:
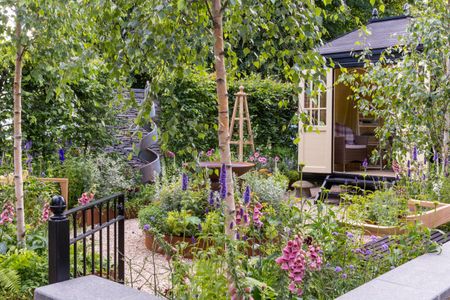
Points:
[(211, 198), (231, 225), (61, 155), (223, 182), (365, 163), (247, 194), (414, 153), (28, 145), (184, 182)]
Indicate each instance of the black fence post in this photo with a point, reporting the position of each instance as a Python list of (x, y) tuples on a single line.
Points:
[(58, 242), (121, 246)]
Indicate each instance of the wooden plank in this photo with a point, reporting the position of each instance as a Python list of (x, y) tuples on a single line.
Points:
[(63, 183), (241, 128)]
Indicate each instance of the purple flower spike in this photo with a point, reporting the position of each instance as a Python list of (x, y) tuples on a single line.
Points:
[(184, 182), (344, 276), (241, 212), (231, 225), (435, 156), (414, 153), (365, 163), (146, 227), (199, 227), (28, 145), (193, 240), (338, 269), (349, 235), (247, 194), (223, 182), (61, 155), (211, 198), (384, 247), (238, 236)]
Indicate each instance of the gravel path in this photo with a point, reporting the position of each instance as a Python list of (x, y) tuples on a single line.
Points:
[(144, 269)]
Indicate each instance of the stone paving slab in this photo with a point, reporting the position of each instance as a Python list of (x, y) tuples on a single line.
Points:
[(426, 278), (90, 288)]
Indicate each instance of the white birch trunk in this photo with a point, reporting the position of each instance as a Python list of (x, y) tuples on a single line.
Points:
[(18, 180)]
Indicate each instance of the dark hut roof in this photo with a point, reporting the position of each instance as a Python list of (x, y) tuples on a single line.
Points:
[(383, 33)]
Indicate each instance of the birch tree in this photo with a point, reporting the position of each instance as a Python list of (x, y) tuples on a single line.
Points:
[(58, 35)]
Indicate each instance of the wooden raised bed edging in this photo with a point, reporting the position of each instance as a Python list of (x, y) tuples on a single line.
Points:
[(88, 216), (151, 245), (438, 214)]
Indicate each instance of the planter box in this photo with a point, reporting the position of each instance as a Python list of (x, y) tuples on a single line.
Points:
[(438, 214), (104, 217), (152, 245)]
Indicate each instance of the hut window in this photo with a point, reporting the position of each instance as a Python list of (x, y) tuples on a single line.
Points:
[(315, 105)]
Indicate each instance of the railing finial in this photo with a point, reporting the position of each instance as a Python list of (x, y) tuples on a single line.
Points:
[(57, 206)]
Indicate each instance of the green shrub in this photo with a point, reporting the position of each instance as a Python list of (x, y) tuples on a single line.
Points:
[(144, 195), (172, 197), (29, 267), (188, 118), (382, 207), (101, 174), (182, 223), (270, 189), (154, 216)]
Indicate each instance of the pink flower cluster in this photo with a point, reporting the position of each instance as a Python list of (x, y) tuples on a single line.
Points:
[(210, 152), (296, 261), (45, 212), (257, 214), (85, 198), (257, 157), (7, 214)]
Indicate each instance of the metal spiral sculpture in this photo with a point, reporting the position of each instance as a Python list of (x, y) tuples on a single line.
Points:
[(148, 147)]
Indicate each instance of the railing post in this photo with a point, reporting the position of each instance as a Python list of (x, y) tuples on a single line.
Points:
[(121, 246), (58, 242)]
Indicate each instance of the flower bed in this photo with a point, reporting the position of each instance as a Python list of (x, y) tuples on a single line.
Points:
[(425, 213)]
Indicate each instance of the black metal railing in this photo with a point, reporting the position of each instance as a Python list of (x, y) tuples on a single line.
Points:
[(71, 233)]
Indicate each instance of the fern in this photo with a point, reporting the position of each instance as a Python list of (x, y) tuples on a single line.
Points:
[(9, 282)]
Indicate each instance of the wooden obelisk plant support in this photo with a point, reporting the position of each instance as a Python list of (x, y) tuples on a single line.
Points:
[(244, 115)]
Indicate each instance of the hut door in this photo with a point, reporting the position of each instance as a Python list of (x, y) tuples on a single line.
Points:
[(315, 146)]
